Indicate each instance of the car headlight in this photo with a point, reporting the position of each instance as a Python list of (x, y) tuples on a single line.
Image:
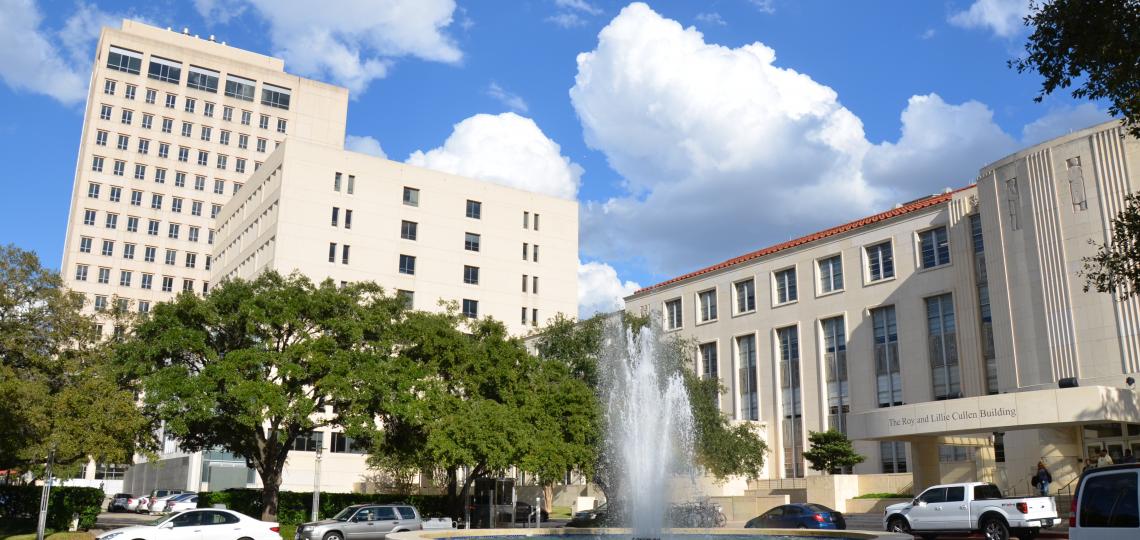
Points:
[(303, 528), (110, 535)]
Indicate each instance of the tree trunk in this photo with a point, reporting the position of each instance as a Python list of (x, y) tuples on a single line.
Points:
[(454, 500), (548, 497), (271, 481)]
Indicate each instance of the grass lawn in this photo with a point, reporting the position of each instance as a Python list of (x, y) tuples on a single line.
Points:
[(560, 512)]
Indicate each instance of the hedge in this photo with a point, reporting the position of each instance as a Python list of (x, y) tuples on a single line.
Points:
[(21, 504), (295, 507)]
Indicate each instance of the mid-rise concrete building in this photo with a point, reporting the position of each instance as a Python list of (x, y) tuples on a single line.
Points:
[(936, 333)]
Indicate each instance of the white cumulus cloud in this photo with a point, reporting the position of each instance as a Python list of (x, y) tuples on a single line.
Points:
[(600, 290), (579, 5), (365, 145), (1062, 120), (1002, 17), (711, 18), (349, 42), (511, 100), (507, 149)]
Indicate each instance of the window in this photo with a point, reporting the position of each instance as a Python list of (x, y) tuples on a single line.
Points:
[(707, 305), (176, 205), (156, 201), (791, 400), (526, 219), (209, 259), (934, 247), (147, 281), (749, 386), (524, 282), (471, 242), (167, 125), (281, 124), (187, 128), (228, 114), (1109, 501), (116, 194), (985, 317), (534, 284), (144, 307), (101, 138), (835, 364), (221, 164), (263, 122), (215, 209), (239, 165), (224, 137), (124, 60), (245, 116), (308, 442), (196, 208), (261, 145), (112, 221), (208, 109), (171, 257), (149, 254), (203, 157), (105, 112), (152, 227), (347, 218), (202, 79), (524, 315), (332, 252), (123, 142), (237, 187), (147, 121), (132, 224), (335, 216), (535, 259), (199, 183), (120, 167), (275, 96), (785, 286), (124, 278), (85, 244), (534, 316), (943, 348), (109, 87), (104, 275), (130, 91), (151, 94), (893, 456), (673, 315), (407, 296), (167, 284), (88, 217), (471, 275), (351, 184), (336, 181), (183, 154), (164, 70), (140, 170), (344, 254), (205, 133), (173, 230), (888, 378), (407, 265), (880, 262), (709, 368), (189, 104), (474, 209), (144, 146), (163, 150), (343, 444), (191, 260), (536, 221), (100, 302), (127, 117), (470, 308), (219, 186), (93, 190), (831, 274), (81, 272), (237, 87), (129, 251), (526, 251), (188, 285), (411, 196), (408, 229), (97, 164)]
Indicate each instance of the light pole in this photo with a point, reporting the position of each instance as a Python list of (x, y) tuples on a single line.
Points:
[(44, 496), (317, 480)]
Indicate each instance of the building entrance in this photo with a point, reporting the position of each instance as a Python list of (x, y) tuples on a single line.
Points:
[(1113, 437)]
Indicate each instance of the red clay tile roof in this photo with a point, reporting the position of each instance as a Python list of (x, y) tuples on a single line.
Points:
[(882, 216)]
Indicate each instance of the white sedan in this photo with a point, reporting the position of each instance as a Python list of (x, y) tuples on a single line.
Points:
[(200, 524), (181, 503)]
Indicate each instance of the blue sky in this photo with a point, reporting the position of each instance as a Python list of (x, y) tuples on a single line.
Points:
[(689, 131)]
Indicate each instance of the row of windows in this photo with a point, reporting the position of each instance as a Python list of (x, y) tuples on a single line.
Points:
[(205, 133), (153, 226), (166, 284), (119, 167), (934, 252), (149, 254), (198, 78), (473, 210), (127, 116), (160, 175), (115, 194)]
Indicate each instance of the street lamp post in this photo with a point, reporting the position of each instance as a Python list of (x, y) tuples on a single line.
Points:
[(317, 481)]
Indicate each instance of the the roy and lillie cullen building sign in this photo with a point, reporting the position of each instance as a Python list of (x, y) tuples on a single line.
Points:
[(946, 419)]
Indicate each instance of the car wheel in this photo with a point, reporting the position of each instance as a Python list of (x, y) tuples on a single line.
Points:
[(333, 536), (995, 528), (898, 525)]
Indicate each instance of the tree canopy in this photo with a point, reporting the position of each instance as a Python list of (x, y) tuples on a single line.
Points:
[(831, 451), (60, 391)]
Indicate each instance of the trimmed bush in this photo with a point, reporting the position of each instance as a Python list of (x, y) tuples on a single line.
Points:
[(21, 504), (295, 507)]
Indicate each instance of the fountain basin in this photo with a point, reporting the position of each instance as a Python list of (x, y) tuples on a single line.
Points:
[(624, 534)]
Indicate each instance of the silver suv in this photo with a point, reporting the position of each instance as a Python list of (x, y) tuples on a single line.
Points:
[(363, 522)]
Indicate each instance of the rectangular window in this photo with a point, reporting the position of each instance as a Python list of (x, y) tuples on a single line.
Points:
[(208, 109), (534, 316), (221, 163), (471, 241), (524, 315), (407, 265), (171, 257), (749, 385), (192, 233), (791, 400), (893, 456), (673, 316), (88, 217), (187, 129), (81, 272), (156, 201), (151, 94), (129, 251), (526, 219), (108, 248), (167, 284), (188, 285), (344, 254), (351, 184), (147, 281), (707, 305), (308, 442), (536, 221), (474, 209), (183, 154), (263, 122), (239, 165), (336, 181), (196, 208), (786, 286), (831, 274), (343, 444), (109, 87), (164, 70), (880, 262), (228, 114), (203, 157), (275, 96), (534, 284), (835, 364), (127, 117), (144, 306), (261, 145), (471, 275), (281, 125), (934, 247), (124, 60), (709, 368), (104, 112), (116, 194), (85, 244), (411, 196), (112, 221), (470, 308), (525, 280), (215, 209), (240, 88), (943, 348), (152, 227), (203, 79), (245, 117), (124, 141), (335, 216), (408, 230), (526, 251), (189, 104), (104, 276), (144, 146), (101, 138), (93, 190), (101, 301), (172, 230), (888, 377), (130, 91), (200, 183), (332, 252), (140, 171), (347, 218), (407, 296), (124, 278), (191, 260), (176, 205), (985, 317), (219, 186), (163, 150), (205, 133), (148, 121), (120, 168), (149, 254), (132, 224)]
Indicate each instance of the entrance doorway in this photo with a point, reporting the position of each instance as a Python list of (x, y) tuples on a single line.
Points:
[(1113, 437)]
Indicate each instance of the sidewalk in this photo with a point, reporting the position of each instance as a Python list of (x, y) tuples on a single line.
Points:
[(874, 522)]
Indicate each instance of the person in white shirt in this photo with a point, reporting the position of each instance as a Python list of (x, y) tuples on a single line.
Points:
[(1104, 459)]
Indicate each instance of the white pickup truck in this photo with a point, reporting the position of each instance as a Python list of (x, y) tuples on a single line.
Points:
[(969, 507)]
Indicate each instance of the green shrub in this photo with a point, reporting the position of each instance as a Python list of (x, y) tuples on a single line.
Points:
[(885, 496), (22, 504), (294, 507)]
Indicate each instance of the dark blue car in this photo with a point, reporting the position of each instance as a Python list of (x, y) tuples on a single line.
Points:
[(798, 516)]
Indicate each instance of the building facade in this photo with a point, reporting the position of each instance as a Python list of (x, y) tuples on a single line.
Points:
[(174, 124), (932, 333)]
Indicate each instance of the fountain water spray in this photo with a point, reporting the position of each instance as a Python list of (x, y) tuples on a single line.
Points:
[(649, 426)]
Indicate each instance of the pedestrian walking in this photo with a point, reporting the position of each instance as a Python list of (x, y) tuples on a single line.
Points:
[(1041, 479)]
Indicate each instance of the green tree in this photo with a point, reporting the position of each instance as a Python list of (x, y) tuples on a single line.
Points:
[(60, 391), (721, 448), (1094, 43), (1115, 268), (831, 451), (248, 367)]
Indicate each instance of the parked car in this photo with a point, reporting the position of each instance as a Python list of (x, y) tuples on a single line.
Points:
[(1106, 504), (119, 502), (144, 503), (181, 503), (211, 523), (524, 513), (798, 516), (363, 522), (133, 503), (602, 515), (155, 505), (969, 507)]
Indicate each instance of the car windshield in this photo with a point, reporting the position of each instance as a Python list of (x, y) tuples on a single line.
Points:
[(343, 515), (162, 519), (818, 508)]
